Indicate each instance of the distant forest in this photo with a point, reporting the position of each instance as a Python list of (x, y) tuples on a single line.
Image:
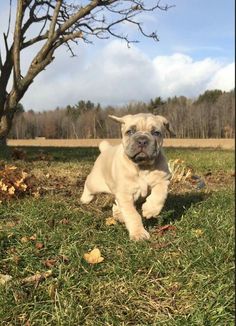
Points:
[(211, 115)]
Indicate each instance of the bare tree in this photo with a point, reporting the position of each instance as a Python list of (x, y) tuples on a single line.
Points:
[(61, 23)]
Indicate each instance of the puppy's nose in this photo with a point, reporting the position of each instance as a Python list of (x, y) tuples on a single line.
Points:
[(142, 142)]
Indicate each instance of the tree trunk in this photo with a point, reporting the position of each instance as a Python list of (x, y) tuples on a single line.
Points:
[(5, 152), (3, 143), (5, 125)]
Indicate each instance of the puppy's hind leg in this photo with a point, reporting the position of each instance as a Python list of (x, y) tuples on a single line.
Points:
[(94, 184), (87, 196)]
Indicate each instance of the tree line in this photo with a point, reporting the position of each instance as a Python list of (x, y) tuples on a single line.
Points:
[(211, 115)]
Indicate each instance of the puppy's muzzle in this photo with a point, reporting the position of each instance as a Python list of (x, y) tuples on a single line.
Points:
[(142, 142), (141, 148)]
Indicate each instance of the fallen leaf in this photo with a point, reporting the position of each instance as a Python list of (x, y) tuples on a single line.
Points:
[(23, 186), (163, 229), (16, 259), (24, 239), (10, 235), (36, 194), (4, 278), (110, 221), (94, 256), (36, 278), (198, 232), (12, 250), (160, 245), (175, 254), (22, 317), (50, 263), (11, 190), (11, 224), (3, 186), (64, 221), (33, 237), (39, 245), (11, 167)]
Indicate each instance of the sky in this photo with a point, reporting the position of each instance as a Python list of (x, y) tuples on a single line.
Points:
[(195, 52)]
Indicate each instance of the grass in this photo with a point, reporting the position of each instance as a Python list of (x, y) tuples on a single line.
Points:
[(181, 277)]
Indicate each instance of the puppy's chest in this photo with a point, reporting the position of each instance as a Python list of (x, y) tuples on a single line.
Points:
[(142, 188)]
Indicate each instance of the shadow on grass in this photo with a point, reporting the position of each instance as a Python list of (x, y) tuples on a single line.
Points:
[(58, 154), (176, 205)]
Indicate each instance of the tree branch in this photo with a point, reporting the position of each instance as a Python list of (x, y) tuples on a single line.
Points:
[(54, 20), (9, 19), (17, 40), (34, 40), (48, 17), (1, 64), (80, 14), (5, 42), (32, 17), (68, 37)]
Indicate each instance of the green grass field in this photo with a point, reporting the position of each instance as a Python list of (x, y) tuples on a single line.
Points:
[(183, 276)]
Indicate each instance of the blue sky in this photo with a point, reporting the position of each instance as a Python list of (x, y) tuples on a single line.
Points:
[(195, 53), (197, 27)]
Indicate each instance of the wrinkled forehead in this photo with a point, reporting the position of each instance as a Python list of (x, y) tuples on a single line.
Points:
[(142, 122)]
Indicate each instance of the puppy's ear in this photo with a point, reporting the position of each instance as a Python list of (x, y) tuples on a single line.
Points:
[(117, 119), (167, 125)]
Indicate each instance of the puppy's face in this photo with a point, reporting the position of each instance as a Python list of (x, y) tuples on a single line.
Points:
[(142, 136)]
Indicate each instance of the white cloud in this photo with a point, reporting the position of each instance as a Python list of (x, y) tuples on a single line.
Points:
[(117, 75), (224, 78), (179, 74)]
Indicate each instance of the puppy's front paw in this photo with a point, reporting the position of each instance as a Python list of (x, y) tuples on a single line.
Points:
[(86, 198), (117, 215), (139, 234), (149, 211)]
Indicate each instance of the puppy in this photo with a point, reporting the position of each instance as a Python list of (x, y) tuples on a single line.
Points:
[(135, 168)]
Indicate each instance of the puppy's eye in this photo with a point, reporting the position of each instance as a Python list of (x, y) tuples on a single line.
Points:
[(130, 132), (156, 133)]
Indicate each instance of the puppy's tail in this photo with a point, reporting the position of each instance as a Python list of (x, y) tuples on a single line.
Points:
[(104, 145)]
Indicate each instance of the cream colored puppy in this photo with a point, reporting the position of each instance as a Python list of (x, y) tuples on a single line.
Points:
[(135, 168)]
